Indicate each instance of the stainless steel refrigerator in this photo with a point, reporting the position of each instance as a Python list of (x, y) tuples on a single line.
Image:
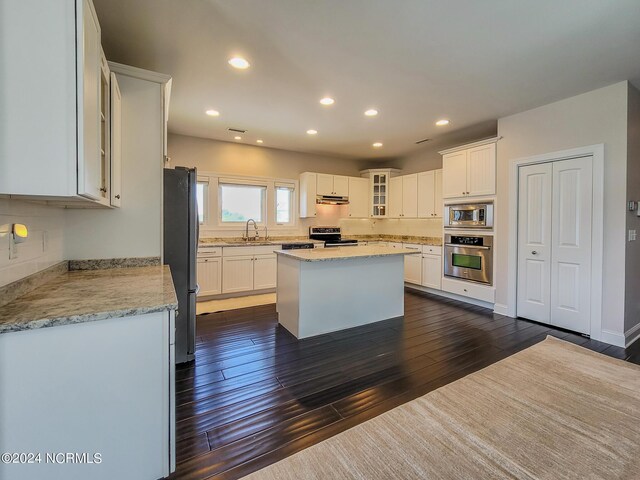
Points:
[(180, 252)]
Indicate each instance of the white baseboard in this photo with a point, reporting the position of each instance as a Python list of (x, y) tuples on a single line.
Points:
[(452, 296), (613, 338), (632, 335), (224, 296), (501, 309)]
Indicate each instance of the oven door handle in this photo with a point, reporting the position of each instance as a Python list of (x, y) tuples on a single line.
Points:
[(467, 246)]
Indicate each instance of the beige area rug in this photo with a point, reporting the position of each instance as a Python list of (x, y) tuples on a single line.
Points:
[(212, 306), (552, 411)]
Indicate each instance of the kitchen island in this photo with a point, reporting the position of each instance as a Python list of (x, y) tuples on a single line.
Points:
[(329, 289)]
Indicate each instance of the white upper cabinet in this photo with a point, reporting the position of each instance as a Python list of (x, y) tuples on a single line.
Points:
[(469, 172), (430, 194), (481, 170), (66, 163), (403, 196), (395, 197), (89, 105), (341, 185), (410, 196), (116, 142), (325, 184), (454, 174), (332, 185), (358, 197), (308, 186)]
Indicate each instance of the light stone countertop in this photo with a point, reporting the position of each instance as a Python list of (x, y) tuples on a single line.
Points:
[(344, 253), (433, 241), (238, 242), (91, 295)]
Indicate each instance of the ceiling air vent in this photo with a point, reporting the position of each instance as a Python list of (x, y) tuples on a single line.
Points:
[(237, 130), (422, 141)]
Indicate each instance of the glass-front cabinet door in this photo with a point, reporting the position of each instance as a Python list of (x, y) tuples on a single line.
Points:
[(379, 184)]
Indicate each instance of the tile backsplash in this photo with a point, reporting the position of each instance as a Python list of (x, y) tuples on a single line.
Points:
[(44, 246)]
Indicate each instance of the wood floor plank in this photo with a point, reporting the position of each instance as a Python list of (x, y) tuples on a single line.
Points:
[(255, 394)]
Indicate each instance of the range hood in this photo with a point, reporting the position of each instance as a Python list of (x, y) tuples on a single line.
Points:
[(332, 200)]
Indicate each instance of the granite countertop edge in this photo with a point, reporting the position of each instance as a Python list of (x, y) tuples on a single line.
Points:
[(83, 318), (16, 316), (216, 242), (296, 256)]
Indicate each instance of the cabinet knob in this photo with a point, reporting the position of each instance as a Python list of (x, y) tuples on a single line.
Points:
[(103, 190), (534, 252), (118, 197)]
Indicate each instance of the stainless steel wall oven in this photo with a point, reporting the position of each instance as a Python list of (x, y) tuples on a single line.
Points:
[(469, 258)]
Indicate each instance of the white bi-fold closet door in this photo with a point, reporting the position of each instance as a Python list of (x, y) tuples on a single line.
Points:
[(554, 243)]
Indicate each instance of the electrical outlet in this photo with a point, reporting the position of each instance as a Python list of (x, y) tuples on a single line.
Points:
[(632, 235)]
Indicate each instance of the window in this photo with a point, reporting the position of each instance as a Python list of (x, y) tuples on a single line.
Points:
[(239, 203), (284, 204), (201, 198)]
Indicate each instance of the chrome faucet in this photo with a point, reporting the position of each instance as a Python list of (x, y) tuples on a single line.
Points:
[(255, 226)]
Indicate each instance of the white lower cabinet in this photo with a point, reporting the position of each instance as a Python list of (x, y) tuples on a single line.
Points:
[(237, 274), (210, 276), (413, 268), (413, 264), (246, 268), (265, 268), (432, 271), (57, 400)]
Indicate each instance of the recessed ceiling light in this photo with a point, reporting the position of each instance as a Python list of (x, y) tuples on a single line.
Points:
[(377, 145), (312, 131), (237, 137), (259, 141), (327, 101), (442, 123), (372, 112), (239, 62), (213, 113)]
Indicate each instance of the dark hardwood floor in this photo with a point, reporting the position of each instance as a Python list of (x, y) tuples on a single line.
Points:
[(255, 394)]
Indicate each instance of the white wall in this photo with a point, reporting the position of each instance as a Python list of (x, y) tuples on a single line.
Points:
[(242, 159), (34, 254), (632, 257), (426, 157), (239, 159), (135, 229), (599, 116)]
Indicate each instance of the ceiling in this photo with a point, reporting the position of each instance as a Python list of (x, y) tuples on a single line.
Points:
[(416, 61)]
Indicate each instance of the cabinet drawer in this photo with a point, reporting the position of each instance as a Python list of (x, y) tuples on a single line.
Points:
[(266, 249), (469, 289), (432, 249), (379, 244), (237, 251), (205, 251)]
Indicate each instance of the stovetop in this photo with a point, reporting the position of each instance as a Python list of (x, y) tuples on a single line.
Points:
[(332, 236)]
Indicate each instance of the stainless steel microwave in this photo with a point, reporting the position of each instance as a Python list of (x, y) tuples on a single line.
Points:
[(469, 215)]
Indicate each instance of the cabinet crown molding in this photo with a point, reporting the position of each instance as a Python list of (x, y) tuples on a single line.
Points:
[(140, 73), (466, 146)]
